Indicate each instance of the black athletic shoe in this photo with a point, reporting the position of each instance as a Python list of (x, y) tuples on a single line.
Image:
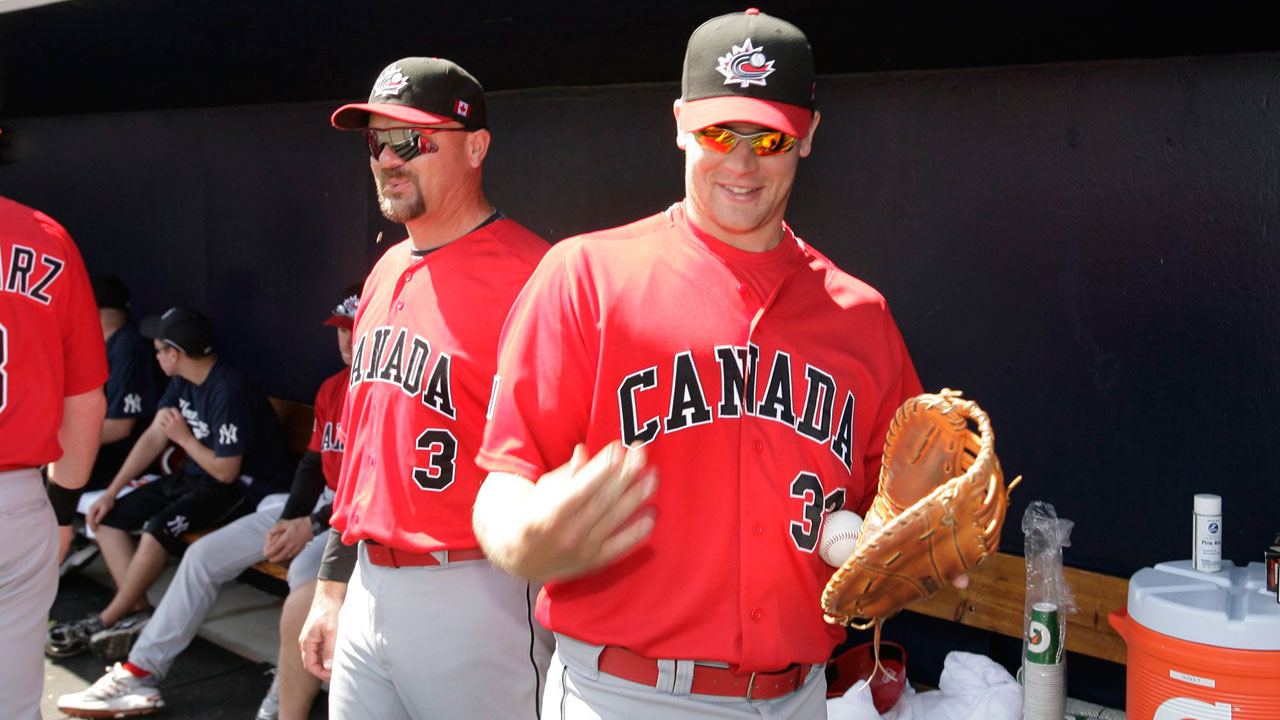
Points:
[(71, 638), (115, 642)]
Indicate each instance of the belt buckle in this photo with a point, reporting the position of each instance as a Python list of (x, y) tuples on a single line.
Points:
[(751, 684)]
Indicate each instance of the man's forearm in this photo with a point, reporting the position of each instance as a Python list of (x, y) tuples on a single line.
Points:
[(497, 519), (117, 429), (81, 424), (222, 469), (144, 451)]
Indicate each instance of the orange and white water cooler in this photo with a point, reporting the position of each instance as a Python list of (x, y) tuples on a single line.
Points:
[(1202, 646)]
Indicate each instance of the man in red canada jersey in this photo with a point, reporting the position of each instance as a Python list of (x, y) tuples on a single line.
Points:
[(53, 364), (730, 386), (428, 628)]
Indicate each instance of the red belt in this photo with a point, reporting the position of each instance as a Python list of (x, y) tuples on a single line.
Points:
[(391, 557), (707, 679)]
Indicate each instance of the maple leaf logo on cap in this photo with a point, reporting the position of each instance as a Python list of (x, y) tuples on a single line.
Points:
[(745, 65), (391, 82)]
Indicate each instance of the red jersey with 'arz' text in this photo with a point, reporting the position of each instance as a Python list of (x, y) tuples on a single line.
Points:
[(51, 343)]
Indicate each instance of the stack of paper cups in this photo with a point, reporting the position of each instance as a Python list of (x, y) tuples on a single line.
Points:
[(1044, 675)]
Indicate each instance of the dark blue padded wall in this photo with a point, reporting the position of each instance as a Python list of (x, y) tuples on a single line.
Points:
[(1085, 249)]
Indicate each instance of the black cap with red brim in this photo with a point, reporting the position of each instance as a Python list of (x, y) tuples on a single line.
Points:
[(419, 91), (748, 67)]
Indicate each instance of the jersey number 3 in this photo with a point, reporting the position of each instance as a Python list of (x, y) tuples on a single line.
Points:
[(4, 376), (442, 450)]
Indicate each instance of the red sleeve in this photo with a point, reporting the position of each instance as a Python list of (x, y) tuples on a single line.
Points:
[(320, 412), (546, 369), (84, 351), (906, 387)]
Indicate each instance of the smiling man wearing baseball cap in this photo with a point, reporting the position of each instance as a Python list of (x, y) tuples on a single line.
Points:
[(429, 629), (751, 396)]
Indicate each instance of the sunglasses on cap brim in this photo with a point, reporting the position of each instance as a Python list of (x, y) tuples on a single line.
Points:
[(406, 142), (765, 143)]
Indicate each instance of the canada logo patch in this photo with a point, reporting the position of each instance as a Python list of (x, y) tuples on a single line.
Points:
[(461, 108), (745, 65), (391, 82)]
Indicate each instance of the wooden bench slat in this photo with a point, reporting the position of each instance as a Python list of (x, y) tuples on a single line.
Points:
[(996, 593), (296, 423)]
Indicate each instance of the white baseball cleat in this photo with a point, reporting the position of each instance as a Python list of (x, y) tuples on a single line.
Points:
[(117, 694)]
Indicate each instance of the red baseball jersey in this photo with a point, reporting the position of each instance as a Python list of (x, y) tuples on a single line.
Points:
[(325, 432), (51, 343), (425, 352), (762, 386)]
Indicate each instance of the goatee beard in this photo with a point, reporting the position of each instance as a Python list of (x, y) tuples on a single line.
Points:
[(401, 211)]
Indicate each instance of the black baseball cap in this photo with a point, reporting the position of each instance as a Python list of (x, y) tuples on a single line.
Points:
[(183, 328), (110, 292), (419, 91), (748, 67), (344, 313)]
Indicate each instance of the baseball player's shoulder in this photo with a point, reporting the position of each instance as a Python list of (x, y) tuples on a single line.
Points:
[(229, 381), (31, 224), (329, 398), (846, 290), (612, 244), (521, 242), (393, 259), (127, 345), (335, 381)]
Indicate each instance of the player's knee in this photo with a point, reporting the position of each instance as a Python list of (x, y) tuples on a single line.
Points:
[(294, 613), (300, 573), (165, 531)]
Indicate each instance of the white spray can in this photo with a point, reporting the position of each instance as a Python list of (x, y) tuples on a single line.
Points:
[(1206, 549)]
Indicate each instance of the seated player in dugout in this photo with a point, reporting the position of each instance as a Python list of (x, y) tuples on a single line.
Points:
[(295, 536), (131, 390), (231, 437)]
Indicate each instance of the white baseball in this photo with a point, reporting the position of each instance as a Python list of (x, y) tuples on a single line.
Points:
[(839, 536)]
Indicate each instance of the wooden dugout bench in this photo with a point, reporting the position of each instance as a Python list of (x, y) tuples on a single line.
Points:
[(994, 601), (296, 422)]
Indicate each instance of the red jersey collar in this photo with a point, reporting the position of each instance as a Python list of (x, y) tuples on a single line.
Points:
[(789, 250)]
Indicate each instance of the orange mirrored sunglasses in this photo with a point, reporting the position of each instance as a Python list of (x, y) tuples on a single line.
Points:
[(764, 144)]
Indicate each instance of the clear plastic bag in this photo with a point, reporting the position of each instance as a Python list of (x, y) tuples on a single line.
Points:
[(1048, 603), (1045, 536)]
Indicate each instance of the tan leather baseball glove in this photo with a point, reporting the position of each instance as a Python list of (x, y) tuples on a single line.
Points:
[(938, 511)]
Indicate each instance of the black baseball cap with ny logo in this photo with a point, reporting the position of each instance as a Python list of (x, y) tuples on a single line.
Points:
[(419, 91), (184, 328), (748, 67)]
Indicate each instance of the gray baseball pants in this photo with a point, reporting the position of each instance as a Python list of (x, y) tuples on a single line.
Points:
[(210, 563), (450, 641), (28, 584)]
